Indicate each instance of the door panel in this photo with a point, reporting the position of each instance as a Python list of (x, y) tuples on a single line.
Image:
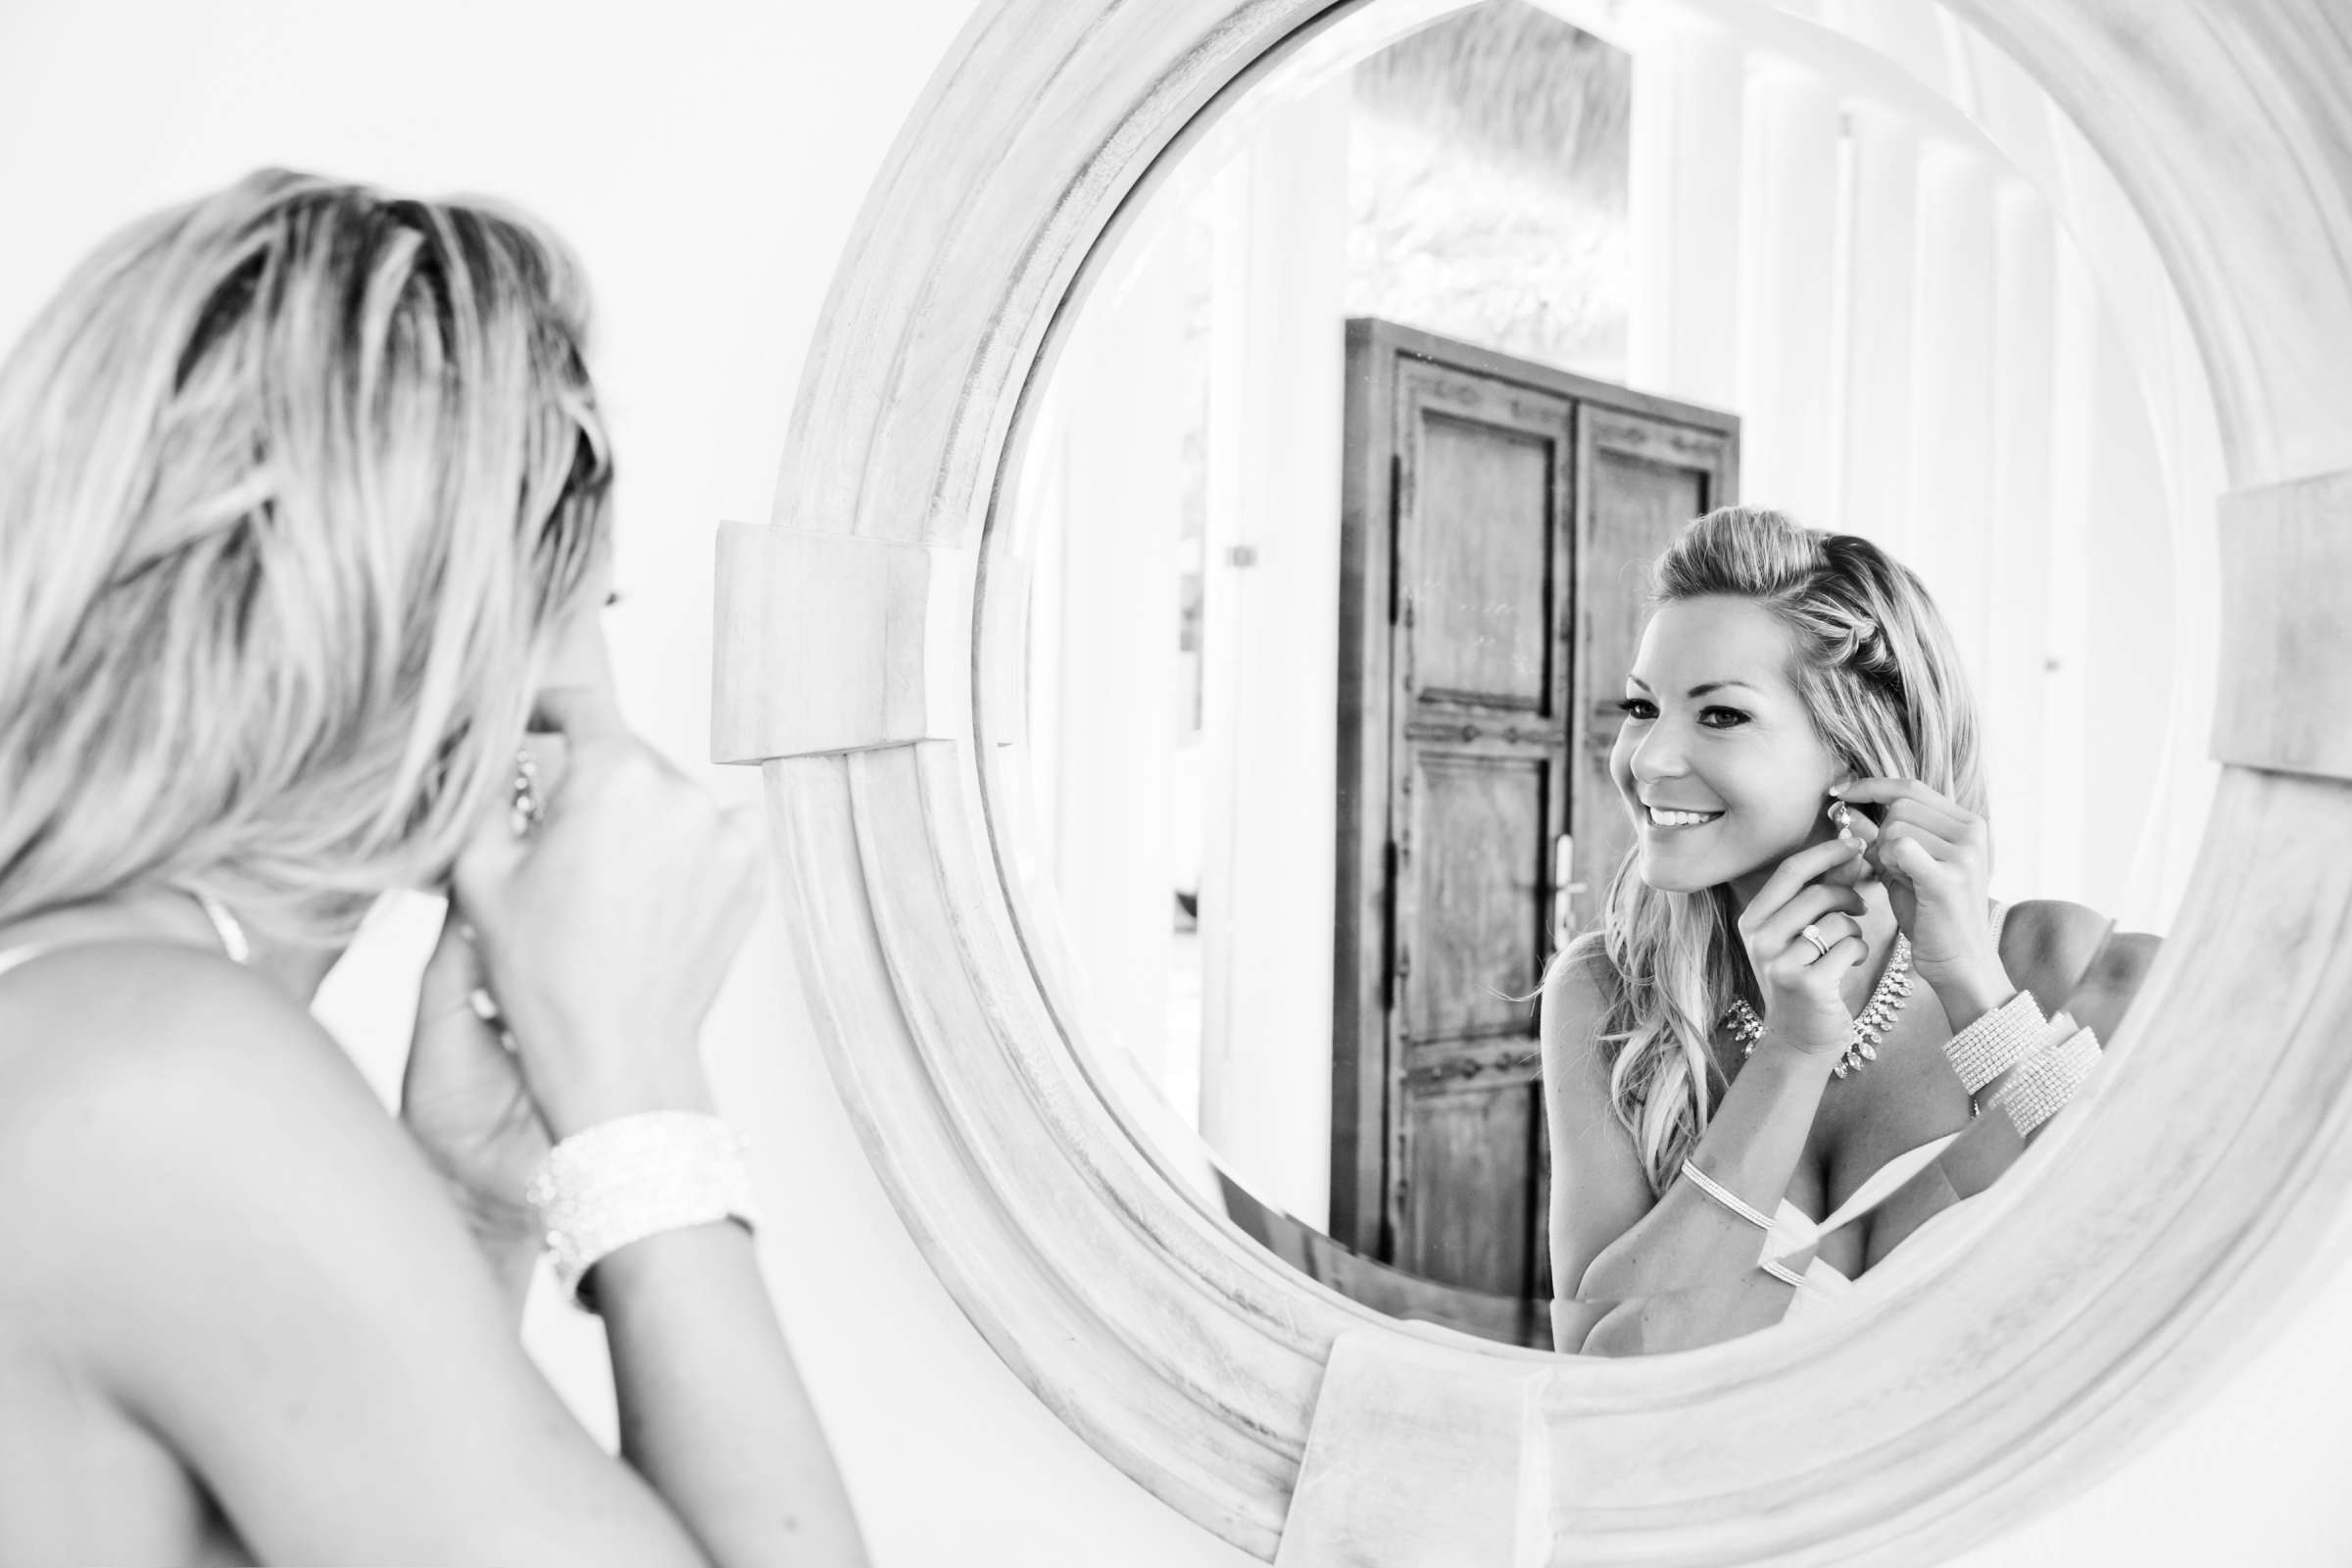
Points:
[(1484, 502), (1475, 872), (1470, 1214)]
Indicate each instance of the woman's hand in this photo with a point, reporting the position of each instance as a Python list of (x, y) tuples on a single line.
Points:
[(1803, 1003), (605, 934), (463, 1097), (1935, 859)]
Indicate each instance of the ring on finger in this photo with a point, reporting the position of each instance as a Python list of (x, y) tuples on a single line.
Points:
[(1812, 934)]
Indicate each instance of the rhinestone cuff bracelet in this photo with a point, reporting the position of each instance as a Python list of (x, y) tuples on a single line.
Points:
[(1996, 1042), (2042, 1087), (623, 1179)]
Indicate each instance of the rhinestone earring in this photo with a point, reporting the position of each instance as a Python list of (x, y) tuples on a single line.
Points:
[(524, 808)]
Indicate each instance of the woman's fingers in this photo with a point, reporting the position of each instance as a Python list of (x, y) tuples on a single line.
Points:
[(451, 1028), (1807, 907), (451, 976), (1914, 852), (490, 857), (1829, 931), (1816, 964), (1791, 877), (1908, 800), (1877, 790), (1843, 955)]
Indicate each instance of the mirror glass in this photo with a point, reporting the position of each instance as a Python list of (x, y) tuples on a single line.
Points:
[(1329, 531)]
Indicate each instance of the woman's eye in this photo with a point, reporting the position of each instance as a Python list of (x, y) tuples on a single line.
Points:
[(1722, 717), (1637, 708)]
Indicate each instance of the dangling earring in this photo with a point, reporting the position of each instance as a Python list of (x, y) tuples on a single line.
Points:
[(1843, 816), (524, 808)]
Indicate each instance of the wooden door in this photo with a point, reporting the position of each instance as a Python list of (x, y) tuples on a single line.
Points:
[(1466, 622)]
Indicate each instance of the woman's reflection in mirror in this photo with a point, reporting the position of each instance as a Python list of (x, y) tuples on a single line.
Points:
[(303, 518), (1803, 1031)]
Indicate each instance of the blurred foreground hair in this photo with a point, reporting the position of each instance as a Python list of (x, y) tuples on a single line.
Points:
[(294, 478)]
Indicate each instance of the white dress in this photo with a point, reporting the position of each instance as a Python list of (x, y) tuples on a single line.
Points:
[(1794, 1230)]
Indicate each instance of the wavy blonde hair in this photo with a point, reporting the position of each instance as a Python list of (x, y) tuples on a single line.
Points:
[(294, 480), (1878, 672)]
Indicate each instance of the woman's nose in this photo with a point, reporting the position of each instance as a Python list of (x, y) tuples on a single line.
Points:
[(1658, 755)]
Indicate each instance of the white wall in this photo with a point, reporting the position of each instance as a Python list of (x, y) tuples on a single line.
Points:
[(707, 170)]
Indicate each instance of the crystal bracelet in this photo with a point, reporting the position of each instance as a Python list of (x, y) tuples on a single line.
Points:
[(2042, 1087), (623, 1179), (1996, 1042)]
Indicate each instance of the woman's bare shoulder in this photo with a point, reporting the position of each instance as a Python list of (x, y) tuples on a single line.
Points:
[(156, 1097), (220, 1213), (2071, 956), (1578, 1095), (152, 1072), (113, 1025), (1575, 999)]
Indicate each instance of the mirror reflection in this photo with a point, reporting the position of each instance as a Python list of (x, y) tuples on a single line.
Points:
[(1523, 887)]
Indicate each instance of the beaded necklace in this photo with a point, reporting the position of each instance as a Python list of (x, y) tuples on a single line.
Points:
[(1871, 1026)]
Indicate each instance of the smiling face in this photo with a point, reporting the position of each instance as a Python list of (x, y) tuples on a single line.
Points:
[(1718, 759)]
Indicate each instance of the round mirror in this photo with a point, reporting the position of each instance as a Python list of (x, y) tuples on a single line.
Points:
[(1334, 519), (876, 657)]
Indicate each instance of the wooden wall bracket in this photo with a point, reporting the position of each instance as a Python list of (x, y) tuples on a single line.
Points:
[(2283, 699), (826, 642)]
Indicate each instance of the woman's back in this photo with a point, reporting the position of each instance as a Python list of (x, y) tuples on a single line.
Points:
[(223, 1247), (80, 1027)]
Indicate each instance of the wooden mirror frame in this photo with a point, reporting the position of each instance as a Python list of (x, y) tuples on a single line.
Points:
[(2135, 1254)]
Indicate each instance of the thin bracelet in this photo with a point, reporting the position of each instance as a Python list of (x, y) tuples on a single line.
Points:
[(1726, 1197)]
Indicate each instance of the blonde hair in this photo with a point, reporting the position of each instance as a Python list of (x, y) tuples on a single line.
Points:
[(1878, 672), (294, 479)]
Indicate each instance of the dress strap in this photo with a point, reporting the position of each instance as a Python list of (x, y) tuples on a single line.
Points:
[(224, 925), (17, 957), (2000, 919)]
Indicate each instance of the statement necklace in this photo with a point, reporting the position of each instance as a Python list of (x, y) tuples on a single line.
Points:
[(1871, 1028)]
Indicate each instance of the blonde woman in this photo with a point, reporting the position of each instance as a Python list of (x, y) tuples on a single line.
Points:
[(302, 517), (1803, 1031)]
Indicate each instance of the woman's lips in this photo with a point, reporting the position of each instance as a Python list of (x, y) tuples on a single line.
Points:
[(1667, 820)]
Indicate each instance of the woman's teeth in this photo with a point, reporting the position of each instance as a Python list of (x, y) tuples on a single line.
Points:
[(1664, 818)]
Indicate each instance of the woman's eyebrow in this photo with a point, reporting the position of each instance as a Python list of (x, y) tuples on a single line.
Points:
[(1702, 688)]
